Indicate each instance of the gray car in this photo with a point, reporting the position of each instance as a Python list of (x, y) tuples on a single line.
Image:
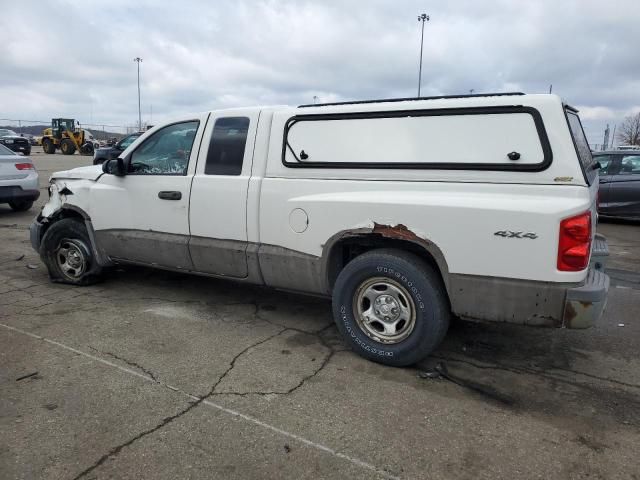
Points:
[(18, 180), (619, 194)]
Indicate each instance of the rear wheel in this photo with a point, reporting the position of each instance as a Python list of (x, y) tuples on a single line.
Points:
[(48, 146), (66, 250), (21, 205), (391, 307), (67, 147)]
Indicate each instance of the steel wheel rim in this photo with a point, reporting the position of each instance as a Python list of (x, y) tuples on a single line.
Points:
[(384, 310), (71, 258)]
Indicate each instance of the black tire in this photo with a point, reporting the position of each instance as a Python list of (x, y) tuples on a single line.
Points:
[(21, 205), (69, 235), (412, 277), (27, 152), (48, 146), (86, 149), (67, 147)]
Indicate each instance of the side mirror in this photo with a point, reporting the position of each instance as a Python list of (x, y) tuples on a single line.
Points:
[(114, 166)]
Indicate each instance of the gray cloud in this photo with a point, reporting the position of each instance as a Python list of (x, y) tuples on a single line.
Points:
[(76, 59)]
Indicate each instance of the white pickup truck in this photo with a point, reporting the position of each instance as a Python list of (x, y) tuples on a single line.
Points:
[(403, 211)]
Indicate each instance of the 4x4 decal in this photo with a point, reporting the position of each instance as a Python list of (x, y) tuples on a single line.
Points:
[(510, 234)]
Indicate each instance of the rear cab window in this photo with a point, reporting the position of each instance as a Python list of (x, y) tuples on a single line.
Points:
[(226, 150), (587, 162)]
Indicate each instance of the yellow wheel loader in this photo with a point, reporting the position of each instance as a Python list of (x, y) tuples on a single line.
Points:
[(67, 135)]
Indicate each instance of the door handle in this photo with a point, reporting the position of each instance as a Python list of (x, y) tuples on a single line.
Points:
[(170, 195)]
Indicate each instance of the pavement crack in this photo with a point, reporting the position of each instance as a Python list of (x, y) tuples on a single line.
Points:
[(302, 381), (146, 371), (117, 449), (318, 334), (232, 364)]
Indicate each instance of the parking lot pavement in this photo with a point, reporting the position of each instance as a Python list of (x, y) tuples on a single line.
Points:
[(152, 374)]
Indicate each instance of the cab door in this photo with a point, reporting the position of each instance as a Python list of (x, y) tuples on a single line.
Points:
[(143, 216), (218, 211), (623, 193)]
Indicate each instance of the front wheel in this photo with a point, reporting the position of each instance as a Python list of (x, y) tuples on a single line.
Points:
[(48, 146), (391, 307), (66, 250), (67, 147)]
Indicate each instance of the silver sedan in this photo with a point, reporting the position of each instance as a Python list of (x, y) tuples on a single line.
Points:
[(18, 180)]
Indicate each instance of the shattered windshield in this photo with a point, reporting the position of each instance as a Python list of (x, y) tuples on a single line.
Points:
[(167, 152)]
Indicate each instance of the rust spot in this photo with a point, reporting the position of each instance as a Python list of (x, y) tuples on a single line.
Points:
[(399, 231), (586, 304), (569, 314)]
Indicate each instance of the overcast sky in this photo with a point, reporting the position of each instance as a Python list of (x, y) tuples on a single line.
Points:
[(75, 59)]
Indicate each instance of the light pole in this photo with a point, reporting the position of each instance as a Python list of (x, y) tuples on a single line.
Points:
[(138, 60), (421, 18)]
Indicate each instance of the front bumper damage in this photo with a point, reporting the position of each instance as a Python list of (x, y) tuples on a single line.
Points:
[(35, 234)]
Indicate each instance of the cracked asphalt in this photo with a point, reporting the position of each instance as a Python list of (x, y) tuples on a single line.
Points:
[(157, 375)]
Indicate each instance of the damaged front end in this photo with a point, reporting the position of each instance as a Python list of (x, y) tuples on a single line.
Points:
[(68, 196), (57, 198)]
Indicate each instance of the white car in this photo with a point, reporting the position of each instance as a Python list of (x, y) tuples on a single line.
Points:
[(18, 180), (365, 202)]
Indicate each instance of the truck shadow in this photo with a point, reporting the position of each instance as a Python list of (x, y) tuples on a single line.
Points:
[(525, 370), (533, 371)]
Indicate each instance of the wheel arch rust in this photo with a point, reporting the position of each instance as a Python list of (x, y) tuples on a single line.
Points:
[(345, 245)]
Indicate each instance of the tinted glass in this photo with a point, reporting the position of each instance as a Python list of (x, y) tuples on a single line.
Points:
[(582, 146), (605, 162), (630, 165), (226, 150), (166, 152)]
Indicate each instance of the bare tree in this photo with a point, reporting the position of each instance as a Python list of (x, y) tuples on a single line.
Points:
[(629, 133)]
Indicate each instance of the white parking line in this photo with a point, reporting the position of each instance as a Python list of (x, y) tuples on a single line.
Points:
[(229, 411)]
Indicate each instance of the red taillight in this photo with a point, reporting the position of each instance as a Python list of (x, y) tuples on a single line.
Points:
[(25, 166), (574, 244)]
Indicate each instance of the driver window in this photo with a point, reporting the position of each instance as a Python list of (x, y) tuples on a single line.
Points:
[(605, 163), (166, 152)]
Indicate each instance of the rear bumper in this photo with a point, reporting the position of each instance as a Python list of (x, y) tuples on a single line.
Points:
[(573, 305), (584, 305), (8, 194), (600, 253)]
